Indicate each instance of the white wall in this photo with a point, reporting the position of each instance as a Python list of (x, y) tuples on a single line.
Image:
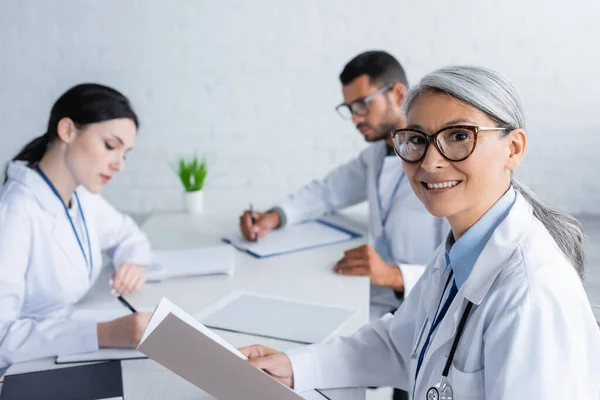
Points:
[(253, 84)]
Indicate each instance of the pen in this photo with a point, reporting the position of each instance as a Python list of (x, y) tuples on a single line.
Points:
[(126, 304), (252, 219)]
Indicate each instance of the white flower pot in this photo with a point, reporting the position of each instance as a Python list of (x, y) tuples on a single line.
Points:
[(194, 201)]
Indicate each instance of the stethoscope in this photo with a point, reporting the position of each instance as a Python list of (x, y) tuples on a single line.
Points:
[(443, 390)]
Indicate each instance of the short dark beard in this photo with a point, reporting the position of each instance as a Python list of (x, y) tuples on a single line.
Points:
[(383, 131), (390, 123)]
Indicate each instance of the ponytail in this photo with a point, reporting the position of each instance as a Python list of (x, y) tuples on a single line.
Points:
[(566, 231), (34, 150)]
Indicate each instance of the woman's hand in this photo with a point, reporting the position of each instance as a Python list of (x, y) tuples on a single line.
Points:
[(273, 362), (124, 332), (129, 278)]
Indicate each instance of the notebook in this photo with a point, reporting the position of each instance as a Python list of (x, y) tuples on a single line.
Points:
[(211, 260), (101, 315), (276, 317), (182, 344), (88, 382), (295, 238)]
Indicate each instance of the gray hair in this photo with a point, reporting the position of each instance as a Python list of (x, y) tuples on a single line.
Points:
[(490, 93)]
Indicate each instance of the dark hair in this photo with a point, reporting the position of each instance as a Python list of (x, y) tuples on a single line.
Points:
[(85, 104), (378, 65)]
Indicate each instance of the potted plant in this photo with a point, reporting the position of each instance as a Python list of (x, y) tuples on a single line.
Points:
[(192, 174)]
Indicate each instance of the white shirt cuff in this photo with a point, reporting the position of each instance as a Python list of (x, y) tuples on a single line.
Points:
[(88, 334), (410, 274), (304, 367), (292, 215)]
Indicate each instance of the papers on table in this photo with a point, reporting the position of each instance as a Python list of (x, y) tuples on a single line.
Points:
[(191, 262), (276, 317), (182, 344), (101, 315), (294, 238)]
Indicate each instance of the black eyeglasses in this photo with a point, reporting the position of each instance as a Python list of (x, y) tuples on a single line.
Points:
[(360, 107), (455, 143)]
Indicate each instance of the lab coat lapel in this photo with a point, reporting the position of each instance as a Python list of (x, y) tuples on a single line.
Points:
[(435, 284), (499, 249), (447, 327), (63, 234), (377, 228), (488, 266), (61, 230)]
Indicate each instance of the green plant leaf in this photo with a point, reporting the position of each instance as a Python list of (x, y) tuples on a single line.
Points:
[(192, 173)]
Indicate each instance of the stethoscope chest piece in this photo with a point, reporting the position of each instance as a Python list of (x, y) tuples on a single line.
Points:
[(441, 391)]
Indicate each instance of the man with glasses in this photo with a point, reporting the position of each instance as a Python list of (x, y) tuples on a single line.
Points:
[(404, 234)]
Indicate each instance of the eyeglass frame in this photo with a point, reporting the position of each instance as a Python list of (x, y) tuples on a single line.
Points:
[(433, 139), (365, 100)]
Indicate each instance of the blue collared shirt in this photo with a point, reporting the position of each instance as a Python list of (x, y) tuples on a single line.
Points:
[(463, 253)]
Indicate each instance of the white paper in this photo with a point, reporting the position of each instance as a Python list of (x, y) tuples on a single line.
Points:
[(294, 238), (262, 315), (165, 307), (191, 262), (180, 343), (101, 315)]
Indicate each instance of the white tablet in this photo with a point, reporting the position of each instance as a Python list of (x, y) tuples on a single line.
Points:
[(276, 317)]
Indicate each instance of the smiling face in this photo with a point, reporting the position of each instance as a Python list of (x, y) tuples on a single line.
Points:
[(461, 191), (97, 151)]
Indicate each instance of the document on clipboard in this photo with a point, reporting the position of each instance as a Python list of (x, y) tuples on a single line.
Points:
[(295, 238)]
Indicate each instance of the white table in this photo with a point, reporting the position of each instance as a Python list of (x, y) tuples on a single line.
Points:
[(305, 276)]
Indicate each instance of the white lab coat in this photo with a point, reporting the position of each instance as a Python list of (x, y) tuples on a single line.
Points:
[(43, 271), (413, 233), (530, 335)]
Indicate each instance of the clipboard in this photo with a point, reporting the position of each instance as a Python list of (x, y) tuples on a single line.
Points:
[(95, 381), (301, 237)]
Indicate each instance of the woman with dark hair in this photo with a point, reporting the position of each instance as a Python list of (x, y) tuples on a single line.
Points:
[(54, 227)]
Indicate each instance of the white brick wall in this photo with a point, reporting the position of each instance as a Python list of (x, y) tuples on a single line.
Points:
[(253, 84)]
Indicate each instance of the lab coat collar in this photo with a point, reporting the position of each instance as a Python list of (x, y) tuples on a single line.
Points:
[(61, 228), (498, 250), (488, 266), (19, 171)]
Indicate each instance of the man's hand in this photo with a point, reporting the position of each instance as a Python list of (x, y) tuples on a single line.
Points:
[(365, 261), (264, 223)]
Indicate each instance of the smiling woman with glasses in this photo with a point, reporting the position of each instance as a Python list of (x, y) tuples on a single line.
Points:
[(500, 312)]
